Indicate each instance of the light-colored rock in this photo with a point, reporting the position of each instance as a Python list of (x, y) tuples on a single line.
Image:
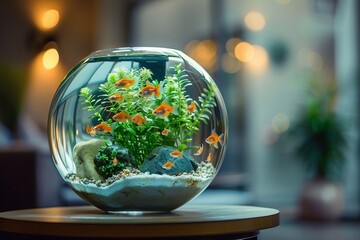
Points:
[(84, 155)]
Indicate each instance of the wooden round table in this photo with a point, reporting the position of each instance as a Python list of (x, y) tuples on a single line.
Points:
[(187, 222)]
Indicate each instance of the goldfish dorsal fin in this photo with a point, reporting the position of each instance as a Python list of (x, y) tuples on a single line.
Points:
[(175, 110), (149, 84), (166, 103)]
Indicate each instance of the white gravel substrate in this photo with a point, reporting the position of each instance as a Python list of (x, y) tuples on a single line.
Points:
[(137, 191)]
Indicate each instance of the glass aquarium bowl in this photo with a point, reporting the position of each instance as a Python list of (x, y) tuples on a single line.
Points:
[(138, 129)]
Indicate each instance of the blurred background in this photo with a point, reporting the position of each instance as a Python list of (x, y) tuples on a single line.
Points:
[(287, 69)]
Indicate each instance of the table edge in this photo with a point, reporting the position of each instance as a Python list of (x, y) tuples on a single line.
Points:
[(153, 230)]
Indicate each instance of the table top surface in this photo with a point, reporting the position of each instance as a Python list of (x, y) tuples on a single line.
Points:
[(189, 220)]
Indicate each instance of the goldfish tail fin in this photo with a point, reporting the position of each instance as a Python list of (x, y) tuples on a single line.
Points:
[(199, 152), (88, 129), (175, 110), (166, 103), (221, 141)]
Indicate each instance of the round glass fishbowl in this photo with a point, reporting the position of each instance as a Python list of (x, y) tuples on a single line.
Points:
[(138, 129)]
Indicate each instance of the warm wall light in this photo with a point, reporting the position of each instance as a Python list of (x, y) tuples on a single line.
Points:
[(46, 18), (50, 19), (37, 101), (50, 58), (255, 21)]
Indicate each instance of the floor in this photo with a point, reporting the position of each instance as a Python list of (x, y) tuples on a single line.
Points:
[(294, 229)]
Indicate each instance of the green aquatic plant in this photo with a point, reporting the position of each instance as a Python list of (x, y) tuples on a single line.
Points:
[(140, 113), (110, 160)]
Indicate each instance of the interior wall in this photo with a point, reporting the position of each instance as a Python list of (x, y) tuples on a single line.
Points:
[(14, 29), (112, 24), (74, 36), (347, 69), (275, 174), (170, 23), (21, 44)]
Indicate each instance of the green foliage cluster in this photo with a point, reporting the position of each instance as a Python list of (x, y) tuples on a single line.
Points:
[(321, 140), (104, 160), (142, 138), (110, 160), (319, 133)]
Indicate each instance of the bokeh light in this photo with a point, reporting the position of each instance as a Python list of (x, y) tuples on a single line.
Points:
[(315, 61), (259, 61), (255, 21), (204, 52), (280, 123), (231, 44), (244, 51), (230, 64)]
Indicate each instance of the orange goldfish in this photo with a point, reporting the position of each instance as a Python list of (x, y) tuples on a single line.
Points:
[(115, 161), (164, 110), (91, 131), (168, 165), (176, 153), (150, 90), (101, 128), (116, 97), (138, 119), (200, 150), (165, 132), (121, 117), (191, 107), (214, 139), (208, 159), (125, 83)]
